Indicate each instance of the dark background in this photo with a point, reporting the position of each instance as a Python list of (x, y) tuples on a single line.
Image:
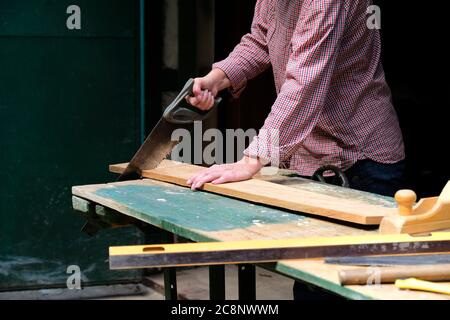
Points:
[(69, 106)]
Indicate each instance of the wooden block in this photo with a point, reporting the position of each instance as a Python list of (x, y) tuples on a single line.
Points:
[(354, 210), (429, 214)]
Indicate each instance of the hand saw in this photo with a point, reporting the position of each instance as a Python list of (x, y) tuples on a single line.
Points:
[(158, 144)]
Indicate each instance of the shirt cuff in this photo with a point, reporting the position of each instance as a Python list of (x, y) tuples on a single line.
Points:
[(237, 77)]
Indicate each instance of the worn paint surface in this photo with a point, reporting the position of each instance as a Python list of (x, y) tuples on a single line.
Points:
[(335, 191), (195, 210)]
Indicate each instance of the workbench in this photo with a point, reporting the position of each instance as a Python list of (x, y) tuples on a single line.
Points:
[(201, 216)]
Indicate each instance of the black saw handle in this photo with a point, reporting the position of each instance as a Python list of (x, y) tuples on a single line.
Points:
[(181, 112), (319, 175)]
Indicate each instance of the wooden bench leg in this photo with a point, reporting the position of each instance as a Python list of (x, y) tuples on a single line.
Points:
[(170, 274), (247, 282), (217, 282), (170, 284)]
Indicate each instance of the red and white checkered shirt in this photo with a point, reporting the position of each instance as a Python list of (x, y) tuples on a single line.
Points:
[(333, 105)]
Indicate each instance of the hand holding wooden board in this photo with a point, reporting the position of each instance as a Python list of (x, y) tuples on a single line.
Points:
[(306, 196), (355, 209)]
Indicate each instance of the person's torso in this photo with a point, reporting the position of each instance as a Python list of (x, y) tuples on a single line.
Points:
[(358, 119)]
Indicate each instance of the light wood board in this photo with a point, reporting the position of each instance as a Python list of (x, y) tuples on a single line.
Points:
[(355, 209)]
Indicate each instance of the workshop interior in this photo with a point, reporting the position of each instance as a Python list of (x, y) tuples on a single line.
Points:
[(86, 214)]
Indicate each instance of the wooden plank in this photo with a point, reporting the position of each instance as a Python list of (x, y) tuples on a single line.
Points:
[(256, 251), (401, 240), (390, 274), (291, 179), (355, 210)]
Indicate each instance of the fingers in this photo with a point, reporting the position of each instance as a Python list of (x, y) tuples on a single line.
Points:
[(204, 179), (197, 176), (192, 181), (223, 173), (222, 179), (198, 181), (197, 88), (213, 173), (202, 99), (210, 99)]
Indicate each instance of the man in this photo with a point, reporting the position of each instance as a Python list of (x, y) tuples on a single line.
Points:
[(333, 105)]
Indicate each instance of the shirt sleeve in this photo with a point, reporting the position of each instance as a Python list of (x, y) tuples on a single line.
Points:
[(250, 57), (295, 112)]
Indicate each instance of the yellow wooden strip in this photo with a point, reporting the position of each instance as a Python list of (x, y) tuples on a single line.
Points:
[(279, 243), (415, 284)]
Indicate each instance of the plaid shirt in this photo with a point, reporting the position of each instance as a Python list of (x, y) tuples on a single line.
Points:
[(333, 105)]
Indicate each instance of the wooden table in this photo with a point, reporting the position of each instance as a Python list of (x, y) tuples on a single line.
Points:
[(202, 216)]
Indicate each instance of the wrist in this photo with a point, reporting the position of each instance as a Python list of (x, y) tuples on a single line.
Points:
[(253, 163), (220, 78)]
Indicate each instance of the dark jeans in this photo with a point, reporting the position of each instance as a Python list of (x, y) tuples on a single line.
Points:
[(365, 175), (380, 178)]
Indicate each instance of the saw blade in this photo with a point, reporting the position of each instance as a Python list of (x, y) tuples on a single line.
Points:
[(155, 148)]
